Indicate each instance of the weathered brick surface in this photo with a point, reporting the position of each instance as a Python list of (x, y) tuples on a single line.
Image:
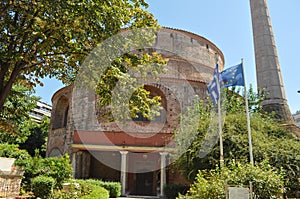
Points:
[(190, 67)]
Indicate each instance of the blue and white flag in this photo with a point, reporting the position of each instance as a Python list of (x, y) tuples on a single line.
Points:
[(232, 76), (214, 86)]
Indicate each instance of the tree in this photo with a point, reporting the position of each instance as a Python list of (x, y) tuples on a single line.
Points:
[(17, 127), (51, 38), (15, 115), (37, 136), (140, 101), (271, 141)]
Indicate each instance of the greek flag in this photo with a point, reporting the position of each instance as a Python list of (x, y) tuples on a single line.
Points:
[(214, 86), (232, 76)]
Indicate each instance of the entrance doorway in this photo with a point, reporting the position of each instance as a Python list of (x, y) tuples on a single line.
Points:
[(144, 184)]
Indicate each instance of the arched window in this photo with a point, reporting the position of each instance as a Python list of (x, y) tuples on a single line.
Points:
[(60, 116), (55, 152)]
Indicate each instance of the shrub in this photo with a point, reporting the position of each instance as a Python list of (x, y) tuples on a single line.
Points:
[(73, 189), (212, 188), (42, 186), (114, 188), (82, 189), (58, 168), (97, 192), (172, 190), (267, 183), (12, 151)]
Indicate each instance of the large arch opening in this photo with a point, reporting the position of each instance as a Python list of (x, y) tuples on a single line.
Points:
[(60, 116)]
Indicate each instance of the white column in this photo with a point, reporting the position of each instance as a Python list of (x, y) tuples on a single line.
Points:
[(162, 171), (74, 163), (123, 171)]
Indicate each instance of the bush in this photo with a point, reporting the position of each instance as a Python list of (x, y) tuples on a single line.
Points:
[(12, 151), (172, 190), (73, 189), (82, 189), (42, 186), (58, 168), (114, 188), (267, 183), (97, 192)]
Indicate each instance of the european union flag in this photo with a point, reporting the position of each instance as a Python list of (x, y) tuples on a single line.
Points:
[(214, 87), (232, 76)]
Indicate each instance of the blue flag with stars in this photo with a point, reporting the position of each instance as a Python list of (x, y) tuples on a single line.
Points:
[(232, 76), (214, 87)]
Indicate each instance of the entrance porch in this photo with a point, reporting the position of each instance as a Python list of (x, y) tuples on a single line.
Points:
[(140, 173)]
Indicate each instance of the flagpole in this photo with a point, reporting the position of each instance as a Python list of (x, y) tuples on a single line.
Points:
[(220, 123), (248, 116), (220, 134)]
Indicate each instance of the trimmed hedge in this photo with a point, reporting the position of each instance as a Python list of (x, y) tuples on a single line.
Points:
[(81, 189), (89, 189), (42, 186), (114, 188), (97, 192), (172, 190)]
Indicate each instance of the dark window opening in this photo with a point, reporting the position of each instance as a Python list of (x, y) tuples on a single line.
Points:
[(60, 116)]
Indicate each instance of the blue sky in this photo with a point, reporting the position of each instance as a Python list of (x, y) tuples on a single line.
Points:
[(228, 25)]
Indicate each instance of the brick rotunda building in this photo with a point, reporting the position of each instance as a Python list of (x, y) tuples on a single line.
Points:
[(137, 154)]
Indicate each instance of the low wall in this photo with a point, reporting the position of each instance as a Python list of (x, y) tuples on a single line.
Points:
[(10, 183)]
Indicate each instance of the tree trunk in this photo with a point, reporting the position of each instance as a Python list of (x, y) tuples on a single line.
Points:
[(6, 88), (3, 95)]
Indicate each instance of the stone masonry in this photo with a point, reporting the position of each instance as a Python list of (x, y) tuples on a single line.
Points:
[(134, 152), (191, 64), (268, 70)]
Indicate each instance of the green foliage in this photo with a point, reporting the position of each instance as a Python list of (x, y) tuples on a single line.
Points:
[(97, 193), (82, 189), (194, 124), (270, 140), (210, 184), (42, 186), (236, 103), (171, 191), (12, 151), (73, 189), (114, 188), (213, 188), (37, 136), (40, 38), (139, 100), (58, 168), (72, 192), (15, 115)]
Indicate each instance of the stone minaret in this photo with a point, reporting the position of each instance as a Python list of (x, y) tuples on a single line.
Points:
[(268, 71)]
